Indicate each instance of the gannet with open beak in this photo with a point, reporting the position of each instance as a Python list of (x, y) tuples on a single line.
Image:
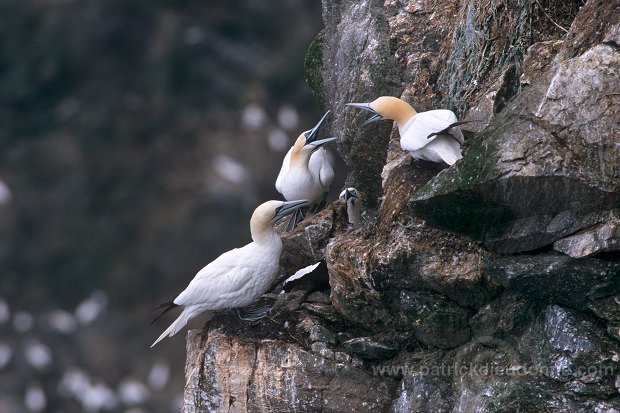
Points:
[(349, 195), (431, 136), (306, 172), (238, 277)]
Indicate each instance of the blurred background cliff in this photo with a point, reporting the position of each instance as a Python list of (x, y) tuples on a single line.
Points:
[(136, 137)]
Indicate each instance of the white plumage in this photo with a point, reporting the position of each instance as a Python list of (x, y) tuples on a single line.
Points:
[(309, 182), (306, 172), (446, 147), (432, 136), (349, 195), (238, 277)]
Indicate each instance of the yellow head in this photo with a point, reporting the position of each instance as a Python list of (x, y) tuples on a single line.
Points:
[(268, 213), (387, 107), (393, 108), (301, 152)]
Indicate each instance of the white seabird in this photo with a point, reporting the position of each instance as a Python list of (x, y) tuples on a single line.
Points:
[(349, 195), (238, 277), (306, 172), (431, 136)]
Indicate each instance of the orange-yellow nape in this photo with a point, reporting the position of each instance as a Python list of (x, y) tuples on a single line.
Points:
[(391, 107)]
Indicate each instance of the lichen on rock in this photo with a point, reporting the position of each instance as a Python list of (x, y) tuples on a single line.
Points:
[(428, 307)]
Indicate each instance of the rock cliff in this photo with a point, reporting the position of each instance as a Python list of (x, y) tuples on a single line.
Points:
[(428, 308)]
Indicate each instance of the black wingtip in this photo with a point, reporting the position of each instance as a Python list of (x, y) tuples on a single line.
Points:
[(167, 306), (459, 123)]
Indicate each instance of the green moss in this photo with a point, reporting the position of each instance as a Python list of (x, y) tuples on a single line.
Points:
[(478, 166), (313, 67), (456, 200)]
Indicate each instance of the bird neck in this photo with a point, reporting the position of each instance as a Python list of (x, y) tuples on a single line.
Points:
[(404, 114), (264, 234), (299, 158)]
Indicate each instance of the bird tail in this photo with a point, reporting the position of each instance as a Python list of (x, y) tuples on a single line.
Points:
[(177, 325), (167, 306), (450, 157), (187, 314)]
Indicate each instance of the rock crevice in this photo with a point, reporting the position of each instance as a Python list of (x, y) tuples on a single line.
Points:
[(428, 307)]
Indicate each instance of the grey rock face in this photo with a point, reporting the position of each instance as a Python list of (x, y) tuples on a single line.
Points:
[(225, 374), (424, 393), (435, 320), (552, 151), (569, 348), (607, 308), (356, 65), (306, 244), (604, 237), (418, 318), (557, 278), (394, 270), (369, 349)]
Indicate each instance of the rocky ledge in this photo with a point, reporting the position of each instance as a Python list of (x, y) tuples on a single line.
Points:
[(428, 306)]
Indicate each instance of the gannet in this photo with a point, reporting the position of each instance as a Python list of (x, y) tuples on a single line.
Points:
[(306, 172), (238, 277), (349, 195), (431, 136)]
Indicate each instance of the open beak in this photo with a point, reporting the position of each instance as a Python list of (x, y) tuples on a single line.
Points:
[(317, 144), (366, 107), (289, 207), (312, 134)]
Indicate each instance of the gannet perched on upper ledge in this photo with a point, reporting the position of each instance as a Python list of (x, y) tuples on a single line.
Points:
[(431, 136), (306, 172), (238, 277), (349, 195)]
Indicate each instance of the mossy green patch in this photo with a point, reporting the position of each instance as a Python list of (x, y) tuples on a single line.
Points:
[(313, 67), (455, 199)]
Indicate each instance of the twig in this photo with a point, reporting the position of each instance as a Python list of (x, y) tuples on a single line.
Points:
[(549, 17)]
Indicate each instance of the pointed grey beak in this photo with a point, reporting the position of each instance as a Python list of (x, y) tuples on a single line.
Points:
[(314, 132), (289, 207), (321, 142), (366, 107)]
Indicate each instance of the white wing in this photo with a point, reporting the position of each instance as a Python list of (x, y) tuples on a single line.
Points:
[(224, 276), (320, 166), (283, 170), (421, 125)]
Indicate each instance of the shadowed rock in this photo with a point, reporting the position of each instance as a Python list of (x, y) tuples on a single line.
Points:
[(440, 322), (550, 153)]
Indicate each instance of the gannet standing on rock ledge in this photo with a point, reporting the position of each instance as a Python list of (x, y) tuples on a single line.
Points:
[(306, 172), (431, 136), (238, 277), (349, 195)]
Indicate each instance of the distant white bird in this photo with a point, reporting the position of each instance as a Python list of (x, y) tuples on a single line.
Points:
[(431, 136), (38, 355), (91, 308), (5, 193), (35, 399), (6, 354), (349, 195), (306, 172), (238, 277), (131, 392)]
